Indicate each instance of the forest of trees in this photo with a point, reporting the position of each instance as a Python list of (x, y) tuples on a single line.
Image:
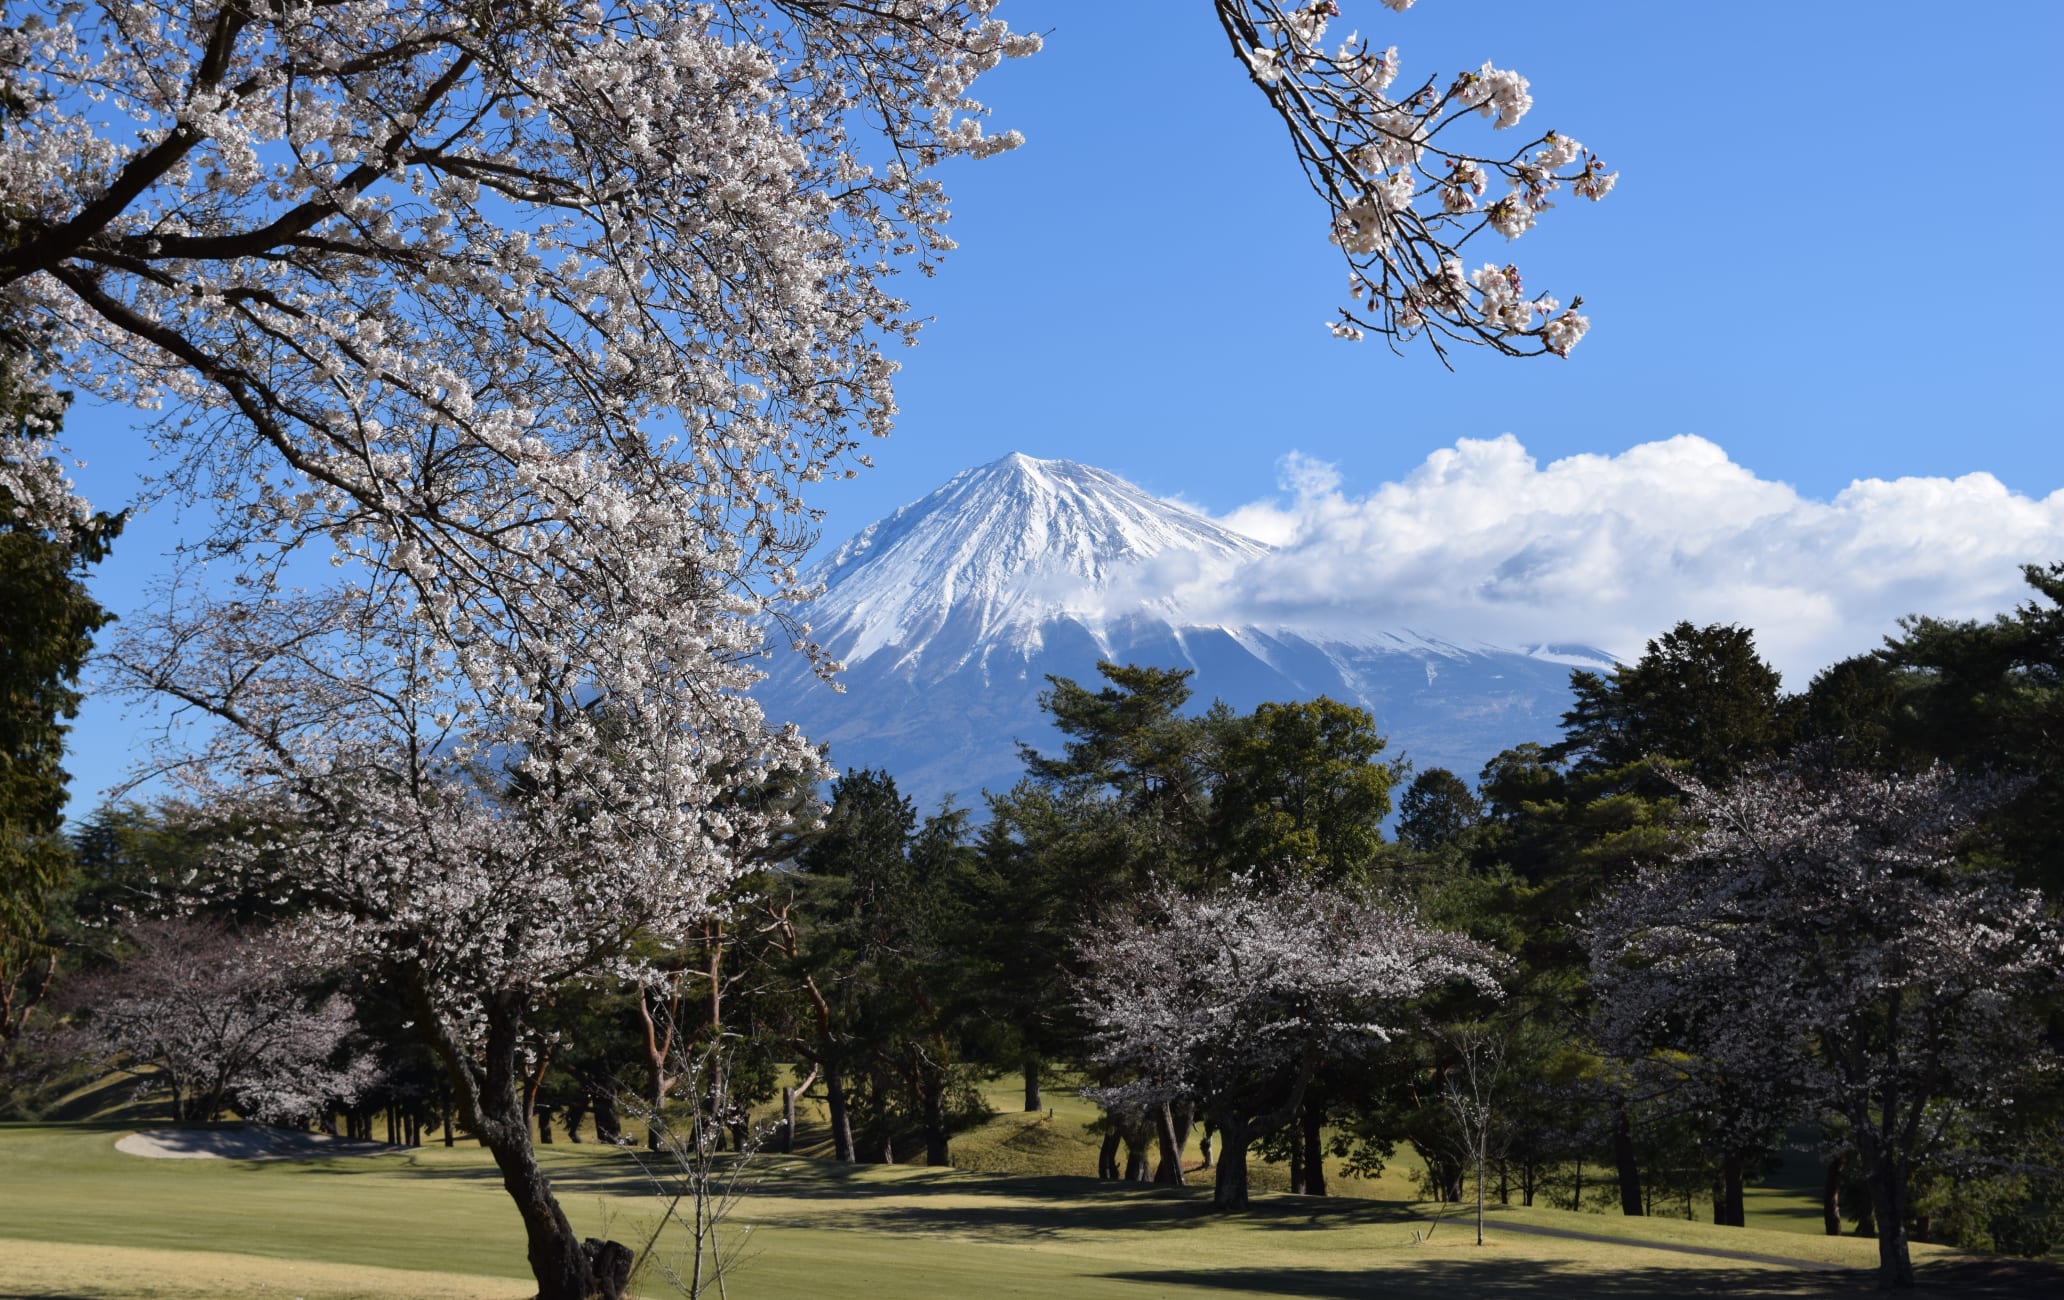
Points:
[(1708, 924)]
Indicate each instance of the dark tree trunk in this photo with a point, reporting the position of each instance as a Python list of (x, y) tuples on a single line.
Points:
[(544, 1121), (1314, 1139), (566, 1268), (1727, 1198), (1526, 1180), (608, 1124), (1297, 1160), (1229, 1191), (1032, 1098), (655, 1101), (576, 1111), (1204, 1146), (1107, 1157), (1623, 1159), (1831, 1196), (1889, 1205), (445, 1101), (841, 1117), (1169, 1170), (937, 1154), (1137, 1167)]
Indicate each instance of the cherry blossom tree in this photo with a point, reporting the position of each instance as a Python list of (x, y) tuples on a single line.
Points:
[(1405, 187), (1234, 999), (475, 852), (1820, 928), (223, 1020), (537, 318)]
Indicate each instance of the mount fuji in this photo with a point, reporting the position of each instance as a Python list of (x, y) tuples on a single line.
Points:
[(950, 614)]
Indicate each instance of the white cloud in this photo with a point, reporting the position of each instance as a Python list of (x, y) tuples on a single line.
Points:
[(1481, 541)]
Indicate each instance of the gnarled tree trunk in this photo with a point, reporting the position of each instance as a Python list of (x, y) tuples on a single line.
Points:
[(491, 1097)]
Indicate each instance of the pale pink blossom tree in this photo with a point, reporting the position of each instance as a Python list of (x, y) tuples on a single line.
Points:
[(1233, 999), (537, 319), (221, 1020), (1820, 933)]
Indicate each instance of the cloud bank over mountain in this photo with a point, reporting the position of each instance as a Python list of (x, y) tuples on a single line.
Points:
[(1482, 541)]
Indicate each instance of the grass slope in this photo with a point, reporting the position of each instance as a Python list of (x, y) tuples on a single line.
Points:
[(87, 1221)]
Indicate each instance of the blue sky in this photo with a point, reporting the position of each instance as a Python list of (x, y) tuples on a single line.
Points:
[(1830, 254)]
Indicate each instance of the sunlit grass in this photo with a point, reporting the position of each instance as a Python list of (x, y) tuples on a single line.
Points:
[(107, 1224)]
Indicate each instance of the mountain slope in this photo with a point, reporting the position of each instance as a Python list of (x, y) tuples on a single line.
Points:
[(951, 613)]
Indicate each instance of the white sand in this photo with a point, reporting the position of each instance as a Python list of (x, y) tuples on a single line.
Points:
[(243, 1142)]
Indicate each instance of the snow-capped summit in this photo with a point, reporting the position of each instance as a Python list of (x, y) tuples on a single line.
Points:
[(951, 613), (1005, 548)]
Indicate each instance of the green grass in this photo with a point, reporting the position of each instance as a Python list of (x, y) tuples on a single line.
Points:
[(99, 1223)]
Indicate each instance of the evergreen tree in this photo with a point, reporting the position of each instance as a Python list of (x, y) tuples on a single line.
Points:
[(47, 622), (1438, 811)]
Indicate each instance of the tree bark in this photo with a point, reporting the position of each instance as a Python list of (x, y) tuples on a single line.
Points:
[(1314, 1139), (658, 1042), (1831, 1196), (566, 1268), (789, 1096), (1107, 1157), (1728, 1209), (1623, 1158), (841, 1117), (1229, 1189), (1137, 1168), (937, 1153), (1033, 1101), (1169, 1170), (608, 1124), (1889, 1205)]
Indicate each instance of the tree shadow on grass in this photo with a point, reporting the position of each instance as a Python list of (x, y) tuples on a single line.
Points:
[(1445, 1277)]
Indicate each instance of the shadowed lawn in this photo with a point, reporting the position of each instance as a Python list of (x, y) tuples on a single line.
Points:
[(103, 1224)]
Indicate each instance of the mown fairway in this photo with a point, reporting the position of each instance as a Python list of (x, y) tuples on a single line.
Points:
[(80, 1219)]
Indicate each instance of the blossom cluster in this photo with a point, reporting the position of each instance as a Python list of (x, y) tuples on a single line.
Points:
[(1404, 199), (1817, 950), (1217, 997)]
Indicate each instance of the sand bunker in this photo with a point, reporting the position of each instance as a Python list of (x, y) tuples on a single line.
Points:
[(243, 1142)]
